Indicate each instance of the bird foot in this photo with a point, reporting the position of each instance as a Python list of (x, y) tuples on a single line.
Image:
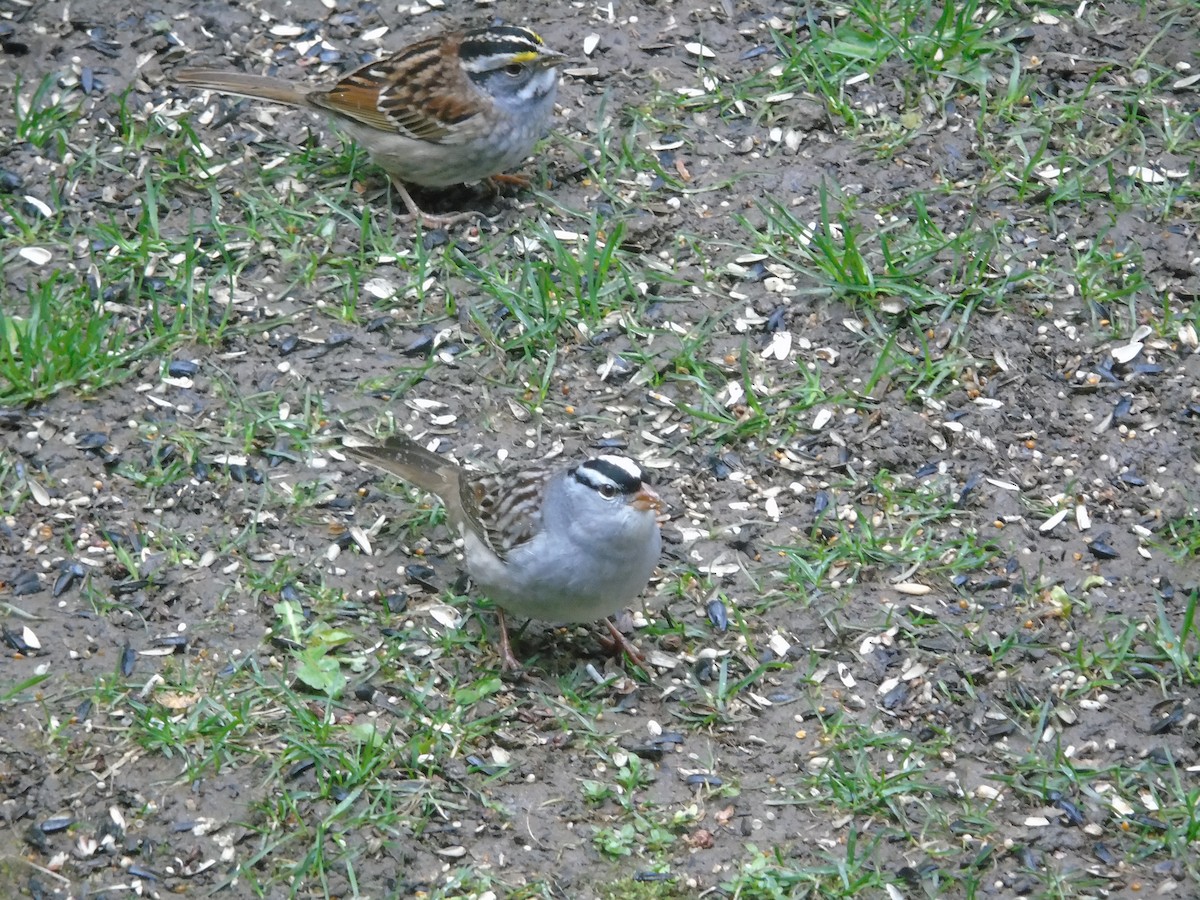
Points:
[(429, 220), (622, 644)]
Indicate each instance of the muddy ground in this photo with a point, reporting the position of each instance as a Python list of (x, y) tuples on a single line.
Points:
[(1039, 418)]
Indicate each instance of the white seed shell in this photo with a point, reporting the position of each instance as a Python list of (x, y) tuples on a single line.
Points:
[(39, 256), (1128, 352), (1053, 522)]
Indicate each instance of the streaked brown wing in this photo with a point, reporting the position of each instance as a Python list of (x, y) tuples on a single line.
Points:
[(421, 92), (355, 98), (507, 508)]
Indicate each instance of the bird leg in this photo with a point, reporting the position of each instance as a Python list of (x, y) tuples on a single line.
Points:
[(509, 179), (428, 220), (622, 643), (508, 662)]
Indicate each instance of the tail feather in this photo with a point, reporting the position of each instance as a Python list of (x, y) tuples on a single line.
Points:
[(258, 87), (403, 457)]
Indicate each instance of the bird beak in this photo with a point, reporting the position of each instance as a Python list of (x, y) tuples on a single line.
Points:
[(646, 499)]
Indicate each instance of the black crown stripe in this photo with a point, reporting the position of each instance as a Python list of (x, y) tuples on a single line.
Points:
[(595, 472)]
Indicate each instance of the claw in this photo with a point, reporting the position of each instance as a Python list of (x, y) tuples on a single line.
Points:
[(429, 220)]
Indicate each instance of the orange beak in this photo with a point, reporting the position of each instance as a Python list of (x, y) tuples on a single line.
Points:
[(646, 500)]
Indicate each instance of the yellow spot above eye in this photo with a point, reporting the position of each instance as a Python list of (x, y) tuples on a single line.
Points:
[(526, 56)]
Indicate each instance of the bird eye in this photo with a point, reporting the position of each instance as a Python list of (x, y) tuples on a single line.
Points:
[(608, 491), (514, 69)]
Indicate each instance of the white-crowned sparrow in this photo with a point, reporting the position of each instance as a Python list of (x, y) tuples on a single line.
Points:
[(565, 545), (462, 106)]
